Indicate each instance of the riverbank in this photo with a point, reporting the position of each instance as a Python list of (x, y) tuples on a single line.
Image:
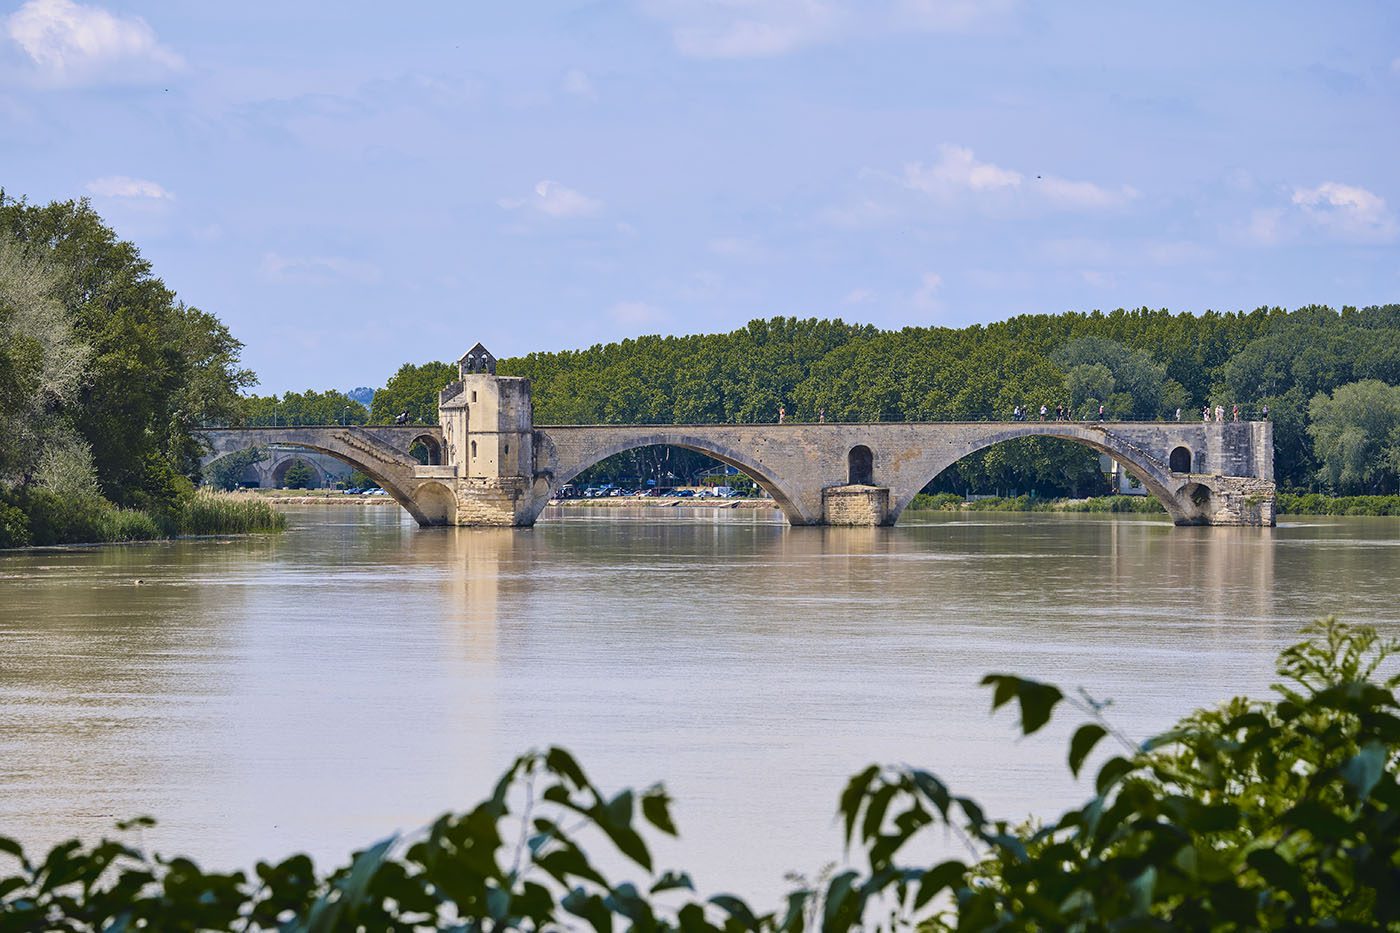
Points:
[(1287, 504), (41, 518)]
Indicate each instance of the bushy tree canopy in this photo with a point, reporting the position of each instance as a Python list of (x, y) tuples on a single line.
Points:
[(153, 368), (1356, 433)]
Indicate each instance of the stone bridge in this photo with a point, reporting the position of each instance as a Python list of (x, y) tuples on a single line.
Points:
[(489, 464)]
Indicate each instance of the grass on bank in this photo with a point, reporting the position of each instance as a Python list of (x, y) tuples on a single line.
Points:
[(1287, 504), (42, 517)]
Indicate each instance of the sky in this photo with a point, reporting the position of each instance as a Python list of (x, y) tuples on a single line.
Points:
[(351, 186)]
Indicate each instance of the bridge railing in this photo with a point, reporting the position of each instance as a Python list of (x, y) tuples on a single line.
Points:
[(1193, 417)]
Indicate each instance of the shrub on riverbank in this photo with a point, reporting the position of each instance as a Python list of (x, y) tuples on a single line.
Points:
[(1276, 814), (1287, 504), (220, 513), (951, 502), (41, 517), (1315, 504)]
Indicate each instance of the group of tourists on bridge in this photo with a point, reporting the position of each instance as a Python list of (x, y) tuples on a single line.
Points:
[(1062, 413), (1067, 413)]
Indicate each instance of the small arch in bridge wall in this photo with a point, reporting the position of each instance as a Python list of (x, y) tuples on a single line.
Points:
[(436, 504), (1180, 460), (860, 463), (431, 450)]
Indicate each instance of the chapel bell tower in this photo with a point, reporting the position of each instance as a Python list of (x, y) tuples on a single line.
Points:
[(487, 421)]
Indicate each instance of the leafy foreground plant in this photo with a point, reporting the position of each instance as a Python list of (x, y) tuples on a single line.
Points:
[(1254, 815)]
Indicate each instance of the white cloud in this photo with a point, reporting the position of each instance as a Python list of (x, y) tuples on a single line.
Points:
[(71, 43), (576, 83), (318, 270), (746, 28), (958, 171), (1097, 279), (120, 186), (633, 313), (859, 296), (1082, 195), (555, 200), (1347, 211), (926, 296)]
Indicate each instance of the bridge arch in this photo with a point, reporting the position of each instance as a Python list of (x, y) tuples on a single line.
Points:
[(284, 464), (437, 503), (389, 466), (431, 445), (564, 472), (1153, 475)]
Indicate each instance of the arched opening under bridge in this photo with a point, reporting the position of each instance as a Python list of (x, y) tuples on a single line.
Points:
[(678, 470), (1045, 466), (297, 465), (1180, 460)]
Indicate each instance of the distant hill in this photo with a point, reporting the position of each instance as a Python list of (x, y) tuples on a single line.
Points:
[(364, 395)]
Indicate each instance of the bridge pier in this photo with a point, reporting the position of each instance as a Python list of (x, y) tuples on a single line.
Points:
[(498, 468)]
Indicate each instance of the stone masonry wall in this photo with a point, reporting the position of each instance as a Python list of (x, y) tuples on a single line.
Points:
[(855, 505)]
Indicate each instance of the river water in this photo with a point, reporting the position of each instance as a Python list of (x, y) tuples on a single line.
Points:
[(317, 690)]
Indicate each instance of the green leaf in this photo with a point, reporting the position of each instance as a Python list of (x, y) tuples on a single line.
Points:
[(1364, 769), (1085, 738), (1141, 888), (1112, 771), (945, 875), (1277, 871), (590, 907), (737, 909), (853, 794), (656, 807), (1037, 699), (672, 881), (561, 762)]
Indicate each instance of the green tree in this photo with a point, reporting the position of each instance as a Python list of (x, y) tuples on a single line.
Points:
[(158, 367), (227, 472), (299, 476), (298, 408), (413, 389), (1356, 436), (42, 362)]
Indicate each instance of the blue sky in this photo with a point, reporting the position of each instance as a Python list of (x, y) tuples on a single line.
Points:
[(352, 185)]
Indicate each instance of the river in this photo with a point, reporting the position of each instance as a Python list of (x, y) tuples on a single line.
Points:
[(317, 690)]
